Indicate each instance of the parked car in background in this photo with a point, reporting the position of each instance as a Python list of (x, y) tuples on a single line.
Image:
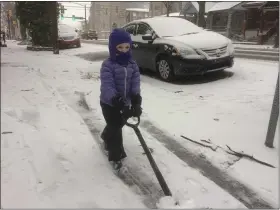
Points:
[(68, 36), (176, 47), (3, 39), (92, 35), (84, 35)]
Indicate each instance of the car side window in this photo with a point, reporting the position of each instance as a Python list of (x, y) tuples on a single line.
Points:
[(130, 29), (143, 29)]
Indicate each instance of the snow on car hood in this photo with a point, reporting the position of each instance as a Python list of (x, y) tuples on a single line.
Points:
[(201, 40), (63, 34)]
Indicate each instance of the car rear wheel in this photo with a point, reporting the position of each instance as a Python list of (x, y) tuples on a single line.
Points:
[(165, 69)]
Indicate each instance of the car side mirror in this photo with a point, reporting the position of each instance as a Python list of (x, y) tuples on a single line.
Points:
[(147, 37)]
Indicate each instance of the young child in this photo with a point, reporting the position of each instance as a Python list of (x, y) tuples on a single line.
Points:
[(120, 96)]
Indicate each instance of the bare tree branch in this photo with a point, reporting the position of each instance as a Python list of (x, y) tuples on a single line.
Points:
[(231, 152), (238, 154), (196, 142)]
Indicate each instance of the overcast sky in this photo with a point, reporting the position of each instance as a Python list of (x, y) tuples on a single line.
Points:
[(76, 9)]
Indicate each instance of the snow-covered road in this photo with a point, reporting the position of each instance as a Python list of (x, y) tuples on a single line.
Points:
[(51, 160)]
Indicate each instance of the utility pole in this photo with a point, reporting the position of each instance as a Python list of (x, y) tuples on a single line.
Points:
[(274, 116), (110, 16), (85, 17), (54, 27), (9, 15)]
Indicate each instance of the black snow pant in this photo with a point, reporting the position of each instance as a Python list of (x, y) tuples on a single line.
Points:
[(112, 133)]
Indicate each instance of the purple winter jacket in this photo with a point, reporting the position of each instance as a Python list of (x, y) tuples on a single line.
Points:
[(119, 80)]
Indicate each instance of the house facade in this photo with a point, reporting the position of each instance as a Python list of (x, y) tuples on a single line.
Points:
[(260, 19), (250, 21), (157, 8), (136, 14), (103, 15), (226, 18), (190, 10)]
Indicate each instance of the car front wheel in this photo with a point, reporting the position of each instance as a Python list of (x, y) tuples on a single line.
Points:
[(165, 69)]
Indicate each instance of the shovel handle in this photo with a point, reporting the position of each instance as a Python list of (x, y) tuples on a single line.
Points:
[(133, 125)]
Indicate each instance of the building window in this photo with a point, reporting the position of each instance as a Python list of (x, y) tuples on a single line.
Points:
[(220, 20), (117, 9), (134, 14), (106, 11)]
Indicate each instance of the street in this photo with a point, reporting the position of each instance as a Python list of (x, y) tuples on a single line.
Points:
[(49, 148)]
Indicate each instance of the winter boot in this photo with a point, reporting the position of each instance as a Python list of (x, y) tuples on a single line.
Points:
[(105, 147), (116, 165)]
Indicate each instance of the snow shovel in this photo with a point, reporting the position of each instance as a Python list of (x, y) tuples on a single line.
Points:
[(157, 172)]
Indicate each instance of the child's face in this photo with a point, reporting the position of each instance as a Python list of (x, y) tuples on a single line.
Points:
[(124, 47)]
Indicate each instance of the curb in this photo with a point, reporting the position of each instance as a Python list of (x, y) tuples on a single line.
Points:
[(39, 48), (103, 42), (24, 43), (257, 57), (257, 49), (258, 54)]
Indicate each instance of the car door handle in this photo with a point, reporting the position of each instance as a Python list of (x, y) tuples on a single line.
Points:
[(135, 45)]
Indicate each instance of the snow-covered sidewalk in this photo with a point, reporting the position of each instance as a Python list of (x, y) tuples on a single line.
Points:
[(58, 156)]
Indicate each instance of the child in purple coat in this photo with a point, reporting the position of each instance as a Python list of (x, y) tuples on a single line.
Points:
[(120, 96)]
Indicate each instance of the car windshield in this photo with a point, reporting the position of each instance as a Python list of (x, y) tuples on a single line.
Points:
[(172, 26), (65, 28)]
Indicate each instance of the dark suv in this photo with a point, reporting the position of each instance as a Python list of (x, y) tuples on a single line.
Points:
[(92, 35)]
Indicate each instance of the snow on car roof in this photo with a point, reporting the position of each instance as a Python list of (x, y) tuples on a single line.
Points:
[(176, 26), (156, 19), (224, 5)]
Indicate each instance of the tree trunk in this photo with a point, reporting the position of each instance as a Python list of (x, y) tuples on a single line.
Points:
[(23, 32), (201, 13), (276, 41), (167, 4)]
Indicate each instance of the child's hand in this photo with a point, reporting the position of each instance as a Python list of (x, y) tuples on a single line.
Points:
[(136, 111), (127, 112), (118, 102)]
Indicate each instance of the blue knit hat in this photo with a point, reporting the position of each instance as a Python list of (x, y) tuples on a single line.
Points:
[(119, 36)]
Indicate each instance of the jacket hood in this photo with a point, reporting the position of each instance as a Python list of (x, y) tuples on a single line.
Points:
[(119, 36)]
